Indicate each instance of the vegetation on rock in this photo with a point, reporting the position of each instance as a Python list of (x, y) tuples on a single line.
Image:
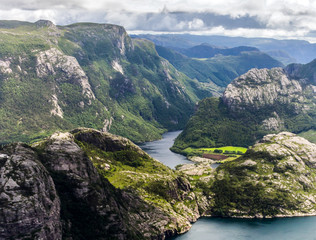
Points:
[(89, 75), (253, 105)]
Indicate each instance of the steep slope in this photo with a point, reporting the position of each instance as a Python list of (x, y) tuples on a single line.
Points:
[(275, 178), (254, 104), (217, 72), (86, 184), (93, 75), (30, 206)]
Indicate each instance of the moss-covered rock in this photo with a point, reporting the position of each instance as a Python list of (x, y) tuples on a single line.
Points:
[(276, 177)]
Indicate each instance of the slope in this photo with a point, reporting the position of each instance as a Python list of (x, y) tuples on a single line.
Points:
[(85, 74), (254, 104), (217, 72)]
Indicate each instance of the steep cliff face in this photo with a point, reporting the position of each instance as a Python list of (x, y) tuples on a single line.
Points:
[(86, 184), (30, 205), (260, 88), (276, 177), (90, 75), (259, 102)]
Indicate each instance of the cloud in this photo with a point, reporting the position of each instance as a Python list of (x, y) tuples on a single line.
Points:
[(263, 17)]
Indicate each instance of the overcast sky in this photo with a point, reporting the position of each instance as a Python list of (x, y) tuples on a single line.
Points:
[(250, 18)]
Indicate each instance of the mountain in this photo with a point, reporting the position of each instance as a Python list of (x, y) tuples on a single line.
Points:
[(217, 72), (207, 51), (292, 50), (86, 74), (86, 184), (259, 102), (274, 178)]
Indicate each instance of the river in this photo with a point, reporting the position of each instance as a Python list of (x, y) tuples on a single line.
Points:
[(296, 228), (160, 150)]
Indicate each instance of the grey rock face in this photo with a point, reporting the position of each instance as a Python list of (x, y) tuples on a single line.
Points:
[(51, 61), (29, 204), (289, 146), (262, 87), (280, 171), (56, 190)]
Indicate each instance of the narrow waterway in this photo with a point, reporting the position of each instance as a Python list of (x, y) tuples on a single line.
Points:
[(160, 150), (297, 228)]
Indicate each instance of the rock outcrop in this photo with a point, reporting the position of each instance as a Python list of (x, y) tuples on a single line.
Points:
[(91, 185), (257, 103), (260, 88), (275, 178), (30, 205)]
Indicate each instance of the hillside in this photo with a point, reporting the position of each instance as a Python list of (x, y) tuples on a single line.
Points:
[(92, 75), (274, 179), (207, 51), (85, 184), (216, 72), (253, 105), (286, 51)]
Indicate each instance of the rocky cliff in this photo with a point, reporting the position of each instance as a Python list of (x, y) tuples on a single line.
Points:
[(275, 178), (30, 205), (89, 75), (86, 184), (259, 102)]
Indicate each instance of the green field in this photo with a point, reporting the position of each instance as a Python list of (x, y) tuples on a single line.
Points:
[(232, 152)]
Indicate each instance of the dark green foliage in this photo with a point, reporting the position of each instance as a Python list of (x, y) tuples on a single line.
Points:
[(213, 126), (160, 188), (229, 152), (249, 198), (130, 158)]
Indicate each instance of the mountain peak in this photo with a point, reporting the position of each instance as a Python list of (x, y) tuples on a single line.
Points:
[(44, 23)]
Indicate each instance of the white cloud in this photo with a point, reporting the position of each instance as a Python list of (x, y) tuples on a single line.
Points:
[(196, 24), (277, 18)]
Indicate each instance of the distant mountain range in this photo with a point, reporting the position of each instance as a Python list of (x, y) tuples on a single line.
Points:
[(216, 67), (286, 51)]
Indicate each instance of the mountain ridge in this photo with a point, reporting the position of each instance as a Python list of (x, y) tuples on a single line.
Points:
[(91, 75), (258, 102)]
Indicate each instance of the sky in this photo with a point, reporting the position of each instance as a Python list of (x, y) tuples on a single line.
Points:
[(281, 19)]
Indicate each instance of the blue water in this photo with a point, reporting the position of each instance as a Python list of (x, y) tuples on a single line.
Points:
[(298, 228), (160, 150)]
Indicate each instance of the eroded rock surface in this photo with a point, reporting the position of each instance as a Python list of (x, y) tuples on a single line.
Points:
[(30, 206), (276, 177), (84, 184)]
